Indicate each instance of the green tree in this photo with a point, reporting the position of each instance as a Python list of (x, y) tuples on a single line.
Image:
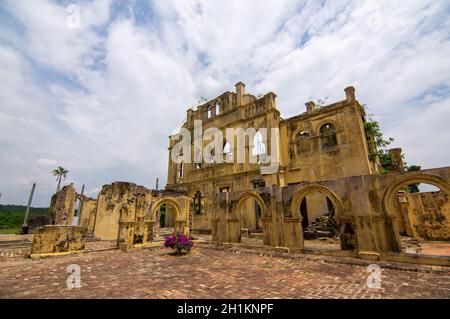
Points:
[(413, 188), (378, 148), (61, 174), (377, 142)]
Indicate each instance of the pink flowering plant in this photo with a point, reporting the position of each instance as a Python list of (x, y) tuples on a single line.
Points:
[(181, 243)]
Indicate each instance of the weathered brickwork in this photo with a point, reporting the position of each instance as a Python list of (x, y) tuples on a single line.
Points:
[(211, 273)]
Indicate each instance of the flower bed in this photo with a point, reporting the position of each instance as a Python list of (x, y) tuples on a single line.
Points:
[(181, 243)]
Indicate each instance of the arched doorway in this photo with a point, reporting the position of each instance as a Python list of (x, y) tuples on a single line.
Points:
[(420, 206), (249, 211), (164, 214), (323, 228)]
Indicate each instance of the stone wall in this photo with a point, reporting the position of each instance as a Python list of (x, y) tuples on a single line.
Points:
[(88, 212), (429, 214), (305, 160), (364, 210), (62, 206), (53, 239), (114, 200)]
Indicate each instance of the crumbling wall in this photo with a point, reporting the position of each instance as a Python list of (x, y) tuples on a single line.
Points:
[(54, 239), (116, 199), (429, 215), (135, 226), (88, 211), (62, 206)]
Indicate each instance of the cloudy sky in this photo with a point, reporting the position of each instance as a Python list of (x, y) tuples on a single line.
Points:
[(101, 99)]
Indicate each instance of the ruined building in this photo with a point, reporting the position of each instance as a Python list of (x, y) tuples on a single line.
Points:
[(326, 181), (322, 143)]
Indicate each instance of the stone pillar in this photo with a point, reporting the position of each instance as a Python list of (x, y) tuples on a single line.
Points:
[(25, 220), (293, 234), (62, 206), (350, 93), (270, 100), (386, 234), (240, 92), (126, 226), (397, 159), (310, 107), (404, 204)]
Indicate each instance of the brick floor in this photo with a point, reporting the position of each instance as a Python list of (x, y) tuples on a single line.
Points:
[(210, 273), (435, 248)]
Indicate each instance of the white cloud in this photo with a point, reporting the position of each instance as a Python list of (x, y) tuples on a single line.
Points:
[(47, 162)]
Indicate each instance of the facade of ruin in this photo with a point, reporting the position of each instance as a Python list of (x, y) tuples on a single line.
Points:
[(325, 157), (326, 168)]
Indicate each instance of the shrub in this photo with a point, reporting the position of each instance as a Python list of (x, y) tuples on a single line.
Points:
[(181, 243)]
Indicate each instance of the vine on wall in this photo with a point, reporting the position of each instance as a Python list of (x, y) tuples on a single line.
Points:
[(377, 142)]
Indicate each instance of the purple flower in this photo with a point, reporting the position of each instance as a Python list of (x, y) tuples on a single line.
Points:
[(179, 242)]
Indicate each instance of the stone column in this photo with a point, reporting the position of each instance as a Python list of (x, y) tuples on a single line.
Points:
[(397, 159)]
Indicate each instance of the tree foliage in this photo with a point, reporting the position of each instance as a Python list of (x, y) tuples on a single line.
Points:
[(60, 173), (11, 216), (413, 188), (378, 148), (377, 142)]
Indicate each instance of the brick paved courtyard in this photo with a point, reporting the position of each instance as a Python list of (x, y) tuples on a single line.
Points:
[(211, 273)]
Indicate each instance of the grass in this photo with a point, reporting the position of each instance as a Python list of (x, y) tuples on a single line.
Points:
[(8, 231)]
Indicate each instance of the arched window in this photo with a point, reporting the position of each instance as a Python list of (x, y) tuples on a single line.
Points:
[(217, 108), (181, 169), (302, 142), (259, 147), (198, 158), (227, 152), (209, 114), (328, 135)]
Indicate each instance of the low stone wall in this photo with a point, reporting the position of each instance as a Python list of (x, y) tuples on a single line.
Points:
[(56, 239)]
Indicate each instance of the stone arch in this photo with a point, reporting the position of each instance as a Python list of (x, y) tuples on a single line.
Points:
[(345, 224), (302, 141), (319, 125), (391, 191), (303, 192), (169, 201), (244, 196), (298, 131), (328, 135)]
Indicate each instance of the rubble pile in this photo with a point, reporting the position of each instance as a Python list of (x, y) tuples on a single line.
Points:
[(410, 244), (322, 226)]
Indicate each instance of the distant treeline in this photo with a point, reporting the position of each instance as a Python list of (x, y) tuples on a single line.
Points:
[(11, 216), (21, 208)]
